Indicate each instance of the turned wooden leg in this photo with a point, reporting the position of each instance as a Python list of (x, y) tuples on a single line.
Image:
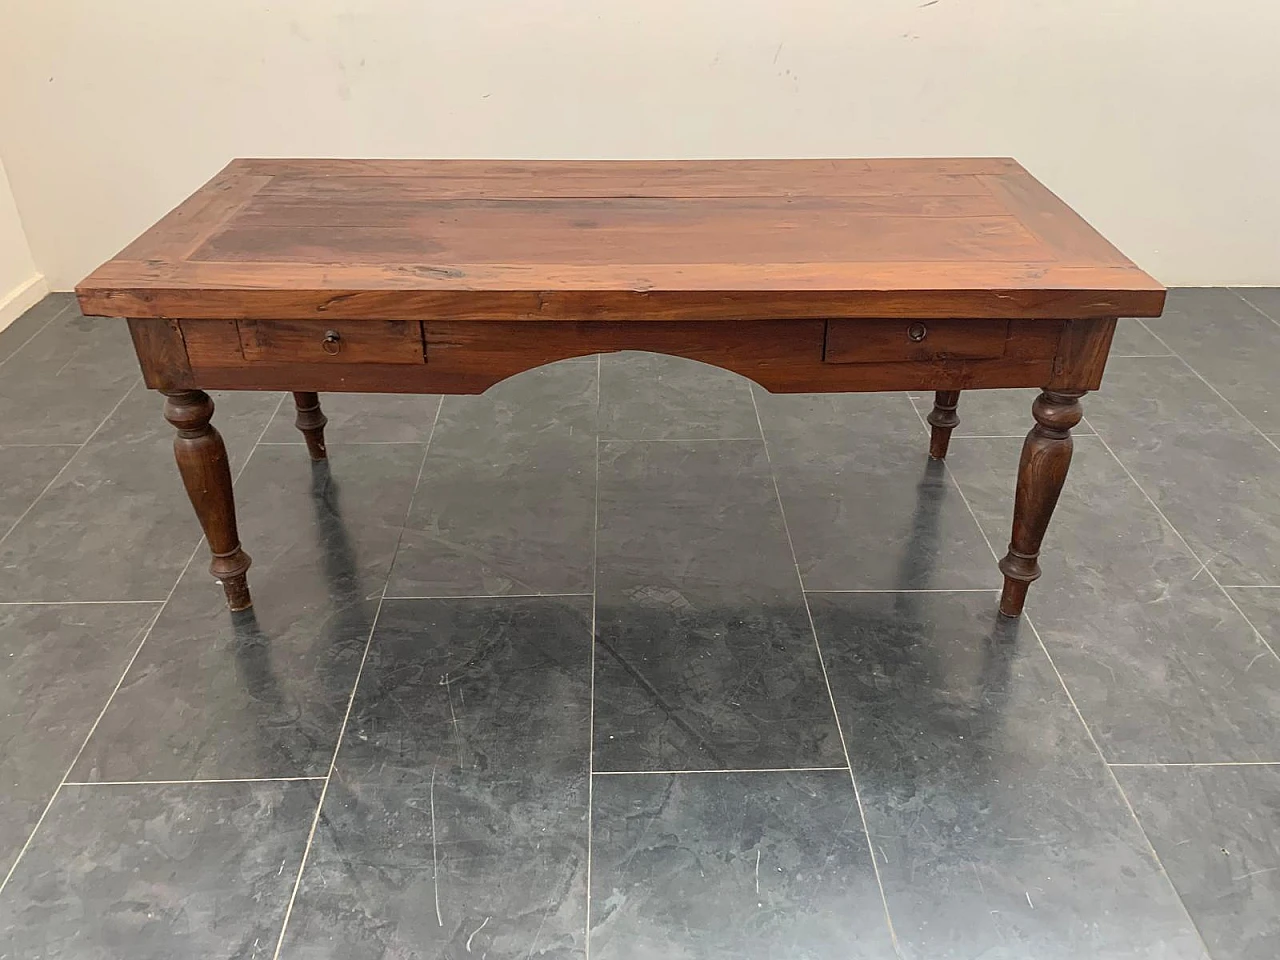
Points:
[(1046, 454), (311, 421), (202, 460), (943, 419)]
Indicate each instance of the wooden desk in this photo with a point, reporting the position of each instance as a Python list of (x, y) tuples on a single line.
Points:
[(806, 276)]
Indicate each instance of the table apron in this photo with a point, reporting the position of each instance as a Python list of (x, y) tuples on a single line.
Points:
[(468, 357)]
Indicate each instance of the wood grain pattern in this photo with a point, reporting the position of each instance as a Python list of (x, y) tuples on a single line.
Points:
[(892, 341), (1082, 354), (450, 276), (470, 356), (1042, 470), (338, 341), (206, 474), (162, 354), (621, 240)]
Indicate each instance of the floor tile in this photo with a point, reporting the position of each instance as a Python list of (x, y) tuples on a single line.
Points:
[(201, 870), (14, 336), (1132, 339), (1161, 664), (24, 473), (1216, 830), (646, 396), (1208, 470), (262, 693), (1262, 606), (456, 821), (1000, 831), (697, 520), (733, 866), (504, 857), (866, 507), (1265, 299), (1227, 342), (66, 380), (117, 524), (487, 685), (705, 656), (58, 666), (362, 418), (507, 498), (717, 688)]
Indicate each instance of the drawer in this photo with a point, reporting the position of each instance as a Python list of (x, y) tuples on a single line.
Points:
[(894, 341), (331, 341)]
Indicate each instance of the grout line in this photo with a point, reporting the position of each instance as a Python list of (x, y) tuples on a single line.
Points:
[(70, 603), (911, 399), (148, 783), (355, 686), (494, 596), (1236, 291), (1074, 706), (677, 439), (341, 443), (591, 716), (672, 773), (56, 316), (1196, 373), (422, 466), (71, 459), (1249, 586), (822, 662), (38, 446), (1206, 763), (146, 633), (1116, 781), (1194, 556), (929, 590), (324, 788)]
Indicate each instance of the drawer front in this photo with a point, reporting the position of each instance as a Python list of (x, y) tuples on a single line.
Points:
[(332, 341), (893, 341)]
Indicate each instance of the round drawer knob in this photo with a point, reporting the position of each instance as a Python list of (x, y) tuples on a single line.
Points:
[(917, 332), (332, 343)]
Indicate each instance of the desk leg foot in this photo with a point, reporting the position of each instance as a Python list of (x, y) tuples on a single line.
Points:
[(311, 421), (202, 461), (943, 420), (1046, 455)]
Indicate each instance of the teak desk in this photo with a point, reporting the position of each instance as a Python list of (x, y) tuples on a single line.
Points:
[(442, 276)]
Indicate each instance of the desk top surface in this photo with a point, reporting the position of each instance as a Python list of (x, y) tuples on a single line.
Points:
[(621, 240)]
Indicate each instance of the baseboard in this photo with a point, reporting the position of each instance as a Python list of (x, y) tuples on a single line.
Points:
[(22, 298)]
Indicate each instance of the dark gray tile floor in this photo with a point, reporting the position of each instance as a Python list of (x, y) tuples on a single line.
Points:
[(629, 659)]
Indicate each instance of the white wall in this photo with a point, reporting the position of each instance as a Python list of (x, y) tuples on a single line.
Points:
[(1158, 119), (21, 284)]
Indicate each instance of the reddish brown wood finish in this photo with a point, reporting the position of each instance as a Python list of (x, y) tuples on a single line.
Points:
[(942, 420), (781, 356), (1046, 455), (202, 461), (449, 276), (311, 421), (903, 341), (621, 240), (338, 341)]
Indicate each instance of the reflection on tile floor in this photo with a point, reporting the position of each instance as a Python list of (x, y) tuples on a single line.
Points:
[(800, 731)]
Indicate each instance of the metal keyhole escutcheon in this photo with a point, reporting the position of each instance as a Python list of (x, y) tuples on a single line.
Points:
[(917, 332)]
